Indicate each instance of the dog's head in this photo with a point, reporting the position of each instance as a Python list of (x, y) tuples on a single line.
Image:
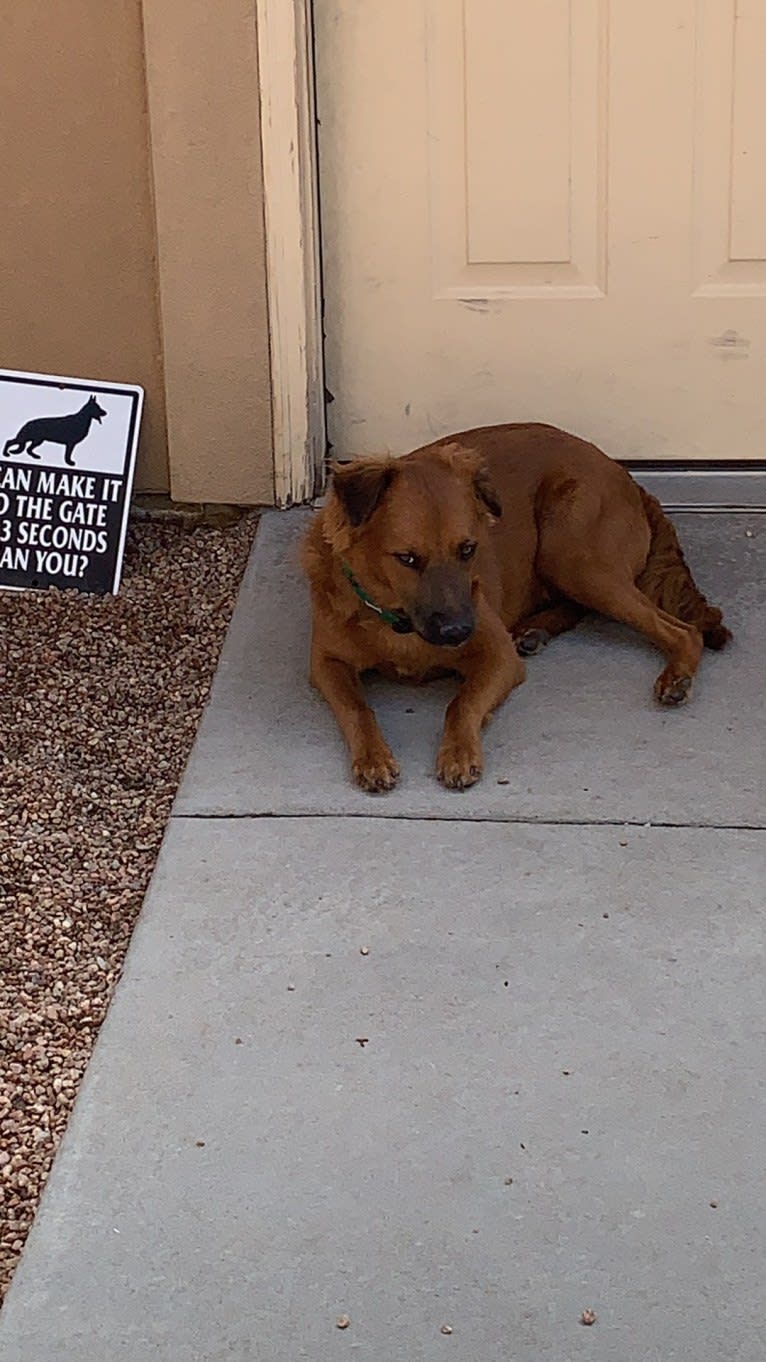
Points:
[(409, 530), (94, 410)]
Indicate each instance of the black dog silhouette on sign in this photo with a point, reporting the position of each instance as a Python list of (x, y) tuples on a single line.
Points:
[(68, 431)]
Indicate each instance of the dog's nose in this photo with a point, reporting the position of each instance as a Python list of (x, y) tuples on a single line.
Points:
[(450, 633)]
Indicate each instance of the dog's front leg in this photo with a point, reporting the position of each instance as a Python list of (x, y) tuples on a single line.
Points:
[(372, 761), (492, 668)]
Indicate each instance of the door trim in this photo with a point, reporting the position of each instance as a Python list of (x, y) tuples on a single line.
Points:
[(293, 270)]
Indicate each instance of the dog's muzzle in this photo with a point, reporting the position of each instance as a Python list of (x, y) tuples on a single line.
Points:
[(446, 632), (443, 612)]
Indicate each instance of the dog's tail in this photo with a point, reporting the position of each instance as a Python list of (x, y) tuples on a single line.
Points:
[(667, 581)]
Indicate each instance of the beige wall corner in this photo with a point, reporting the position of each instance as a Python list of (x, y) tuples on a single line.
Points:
[(202, 80), (76, 228)]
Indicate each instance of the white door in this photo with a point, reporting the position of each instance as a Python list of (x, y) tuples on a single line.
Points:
[(545, 210)]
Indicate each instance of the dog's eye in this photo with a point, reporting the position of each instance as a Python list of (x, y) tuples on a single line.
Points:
[(409, 560), (467, 550)]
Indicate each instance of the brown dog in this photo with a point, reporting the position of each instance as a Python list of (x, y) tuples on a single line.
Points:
[(436, 562)]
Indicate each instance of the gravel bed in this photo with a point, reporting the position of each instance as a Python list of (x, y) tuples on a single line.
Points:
[(99, 704)]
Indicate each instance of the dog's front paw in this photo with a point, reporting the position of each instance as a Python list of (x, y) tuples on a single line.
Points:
[(376, 770), (459, 764)]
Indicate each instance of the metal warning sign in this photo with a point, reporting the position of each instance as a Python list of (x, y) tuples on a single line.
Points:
[(67, 455)]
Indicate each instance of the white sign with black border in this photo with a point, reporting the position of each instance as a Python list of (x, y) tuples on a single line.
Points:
[(67, 457)]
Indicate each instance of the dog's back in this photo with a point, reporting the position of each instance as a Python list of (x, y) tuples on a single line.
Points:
[(523, 456)]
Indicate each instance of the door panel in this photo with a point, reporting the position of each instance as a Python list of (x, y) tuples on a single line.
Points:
[(730, 150), (516, 211), (500, 83), (548, 212)]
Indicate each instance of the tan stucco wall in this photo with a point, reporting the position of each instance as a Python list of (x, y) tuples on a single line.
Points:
[(131, 230), (78, 293)]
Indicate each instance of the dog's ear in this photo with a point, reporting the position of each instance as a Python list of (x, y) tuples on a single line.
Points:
[(486, 493), (471, 464), (360, 487)]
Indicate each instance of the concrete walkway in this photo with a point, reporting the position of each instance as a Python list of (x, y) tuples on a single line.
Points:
[(456, 1067)]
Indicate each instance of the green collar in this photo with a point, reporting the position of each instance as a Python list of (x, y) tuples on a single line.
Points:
[(395, 619)]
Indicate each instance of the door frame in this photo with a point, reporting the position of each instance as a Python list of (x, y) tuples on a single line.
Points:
[(293, 264)]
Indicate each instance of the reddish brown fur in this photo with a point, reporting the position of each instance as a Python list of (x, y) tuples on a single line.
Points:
[(667, 581), (559, 529)]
